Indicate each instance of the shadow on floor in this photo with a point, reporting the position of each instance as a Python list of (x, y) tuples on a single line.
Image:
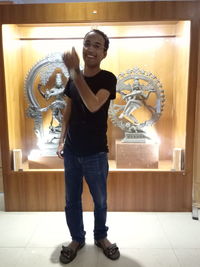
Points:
[(90, 256)]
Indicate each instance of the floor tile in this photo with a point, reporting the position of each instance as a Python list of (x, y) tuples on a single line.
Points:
[(38, 257), (188, 257), (137, 230), (17, 228), (145, 239), (51, 231), (142, 258), (46, 257), (9, 257), (180, 229)]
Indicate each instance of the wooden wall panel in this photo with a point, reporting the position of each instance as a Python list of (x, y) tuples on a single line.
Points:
[(196, 176), (1, 173), (14, 87), (6, 2), (3, 119), (82, 12), (148, 191), (143, 191), (1, 180), (180, 79), (191, 99), (42, 191), (162, 191)]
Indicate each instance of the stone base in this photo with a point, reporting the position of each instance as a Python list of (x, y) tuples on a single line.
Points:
[(137, 155), (46, 162)]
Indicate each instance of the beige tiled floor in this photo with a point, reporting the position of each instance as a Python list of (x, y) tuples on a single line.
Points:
[(30, 239)]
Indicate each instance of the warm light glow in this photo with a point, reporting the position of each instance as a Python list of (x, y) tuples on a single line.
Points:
[(10, 38), (55, 31), (34, 154), (152, 134), (114, 30)]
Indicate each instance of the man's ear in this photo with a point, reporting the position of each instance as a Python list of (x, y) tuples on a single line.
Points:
[(105, 53)]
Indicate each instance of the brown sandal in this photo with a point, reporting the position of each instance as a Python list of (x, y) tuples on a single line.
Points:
[(111, 252), (67, 254)]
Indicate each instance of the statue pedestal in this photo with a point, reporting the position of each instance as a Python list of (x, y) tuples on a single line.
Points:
[(46, 162), (137, 155)]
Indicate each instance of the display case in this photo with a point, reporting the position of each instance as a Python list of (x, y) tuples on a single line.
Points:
[(144, 49), (154, 48)]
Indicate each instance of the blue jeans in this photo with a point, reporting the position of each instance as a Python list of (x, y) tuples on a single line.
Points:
[(95, 170)]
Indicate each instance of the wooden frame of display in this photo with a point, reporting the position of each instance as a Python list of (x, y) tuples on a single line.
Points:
[(128, 190)]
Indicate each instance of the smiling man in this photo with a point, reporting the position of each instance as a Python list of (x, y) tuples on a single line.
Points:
[(83, 142)]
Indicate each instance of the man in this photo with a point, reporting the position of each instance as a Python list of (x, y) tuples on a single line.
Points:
[(83, 142)]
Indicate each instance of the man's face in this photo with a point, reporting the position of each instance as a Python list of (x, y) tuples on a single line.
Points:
[(93, 49)]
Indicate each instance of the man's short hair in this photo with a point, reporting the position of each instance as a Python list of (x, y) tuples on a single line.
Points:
[(105, 37)]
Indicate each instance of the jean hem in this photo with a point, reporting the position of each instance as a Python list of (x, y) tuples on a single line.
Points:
[(80, 241), (100, 238)]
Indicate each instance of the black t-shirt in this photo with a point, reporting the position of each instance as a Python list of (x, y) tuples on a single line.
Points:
[(86, 134)]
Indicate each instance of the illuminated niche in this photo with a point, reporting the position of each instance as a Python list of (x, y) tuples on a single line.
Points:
[(159, 47)]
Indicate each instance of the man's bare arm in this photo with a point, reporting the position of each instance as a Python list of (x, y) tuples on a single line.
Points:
[(66, 116), (92, 102)]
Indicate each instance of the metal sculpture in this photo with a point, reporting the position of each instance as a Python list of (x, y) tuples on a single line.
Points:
[(51, 65), (139, 104)]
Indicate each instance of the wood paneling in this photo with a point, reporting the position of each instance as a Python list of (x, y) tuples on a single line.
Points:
[(1, 173), (141, 191), (147, 191), (3, 120), (14, 86), (83, 12), (6, 2), (191, 99), (151, 191), (180, 82), (1, 180), (196, 177), (35, 191)]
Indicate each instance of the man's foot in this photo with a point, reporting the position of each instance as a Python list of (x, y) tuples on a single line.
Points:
[(69, 253), (110, 250)]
